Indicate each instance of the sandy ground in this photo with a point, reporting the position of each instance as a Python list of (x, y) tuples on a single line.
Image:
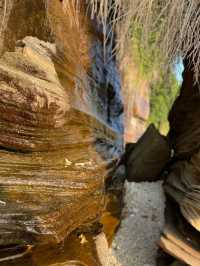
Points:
[(143, 219)]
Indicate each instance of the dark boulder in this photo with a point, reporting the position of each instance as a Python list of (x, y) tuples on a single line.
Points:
[(146, 159)]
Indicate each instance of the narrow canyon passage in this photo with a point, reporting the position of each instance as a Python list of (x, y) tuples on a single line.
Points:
[(93, 170)]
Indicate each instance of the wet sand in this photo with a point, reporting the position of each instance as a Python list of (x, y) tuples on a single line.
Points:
[(143, 217)]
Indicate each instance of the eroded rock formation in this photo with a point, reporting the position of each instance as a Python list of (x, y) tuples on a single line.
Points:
[(184, 117), (180, 237), (60, 122)]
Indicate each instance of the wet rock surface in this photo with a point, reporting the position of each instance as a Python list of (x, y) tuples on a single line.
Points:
[(61, 139)]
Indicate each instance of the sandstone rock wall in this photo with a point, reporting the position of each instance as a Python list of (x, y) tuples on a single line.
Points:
[(60, 124), (136, 95)]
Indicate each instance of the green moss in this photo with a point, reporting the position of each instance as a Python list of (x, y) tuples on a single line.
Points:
[(146, 56), (163, 84), (163, 93)]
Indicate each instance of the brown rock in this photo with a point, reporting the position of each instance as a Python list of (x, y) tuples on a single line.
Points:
[(184, 116), (61, 131), (148, 157), (183, 185), (178, 239), (55, 157)]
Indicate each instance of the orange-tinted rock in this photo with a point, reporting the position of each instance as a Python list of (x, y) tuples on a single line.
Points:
[(134, 130), (61, 131), (141, 104), (184, 117), (136, 94)]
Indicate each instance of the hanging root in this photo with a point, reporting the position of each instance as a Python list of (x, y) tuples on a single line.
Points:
[(175, 23)]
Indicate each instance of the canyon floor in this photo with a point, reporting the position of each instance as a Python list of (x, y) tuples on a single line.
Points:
[(143, 217)]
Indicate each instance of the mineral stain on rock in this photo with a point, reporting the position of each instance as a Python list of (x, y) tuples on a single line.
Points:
[(51, 72)]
